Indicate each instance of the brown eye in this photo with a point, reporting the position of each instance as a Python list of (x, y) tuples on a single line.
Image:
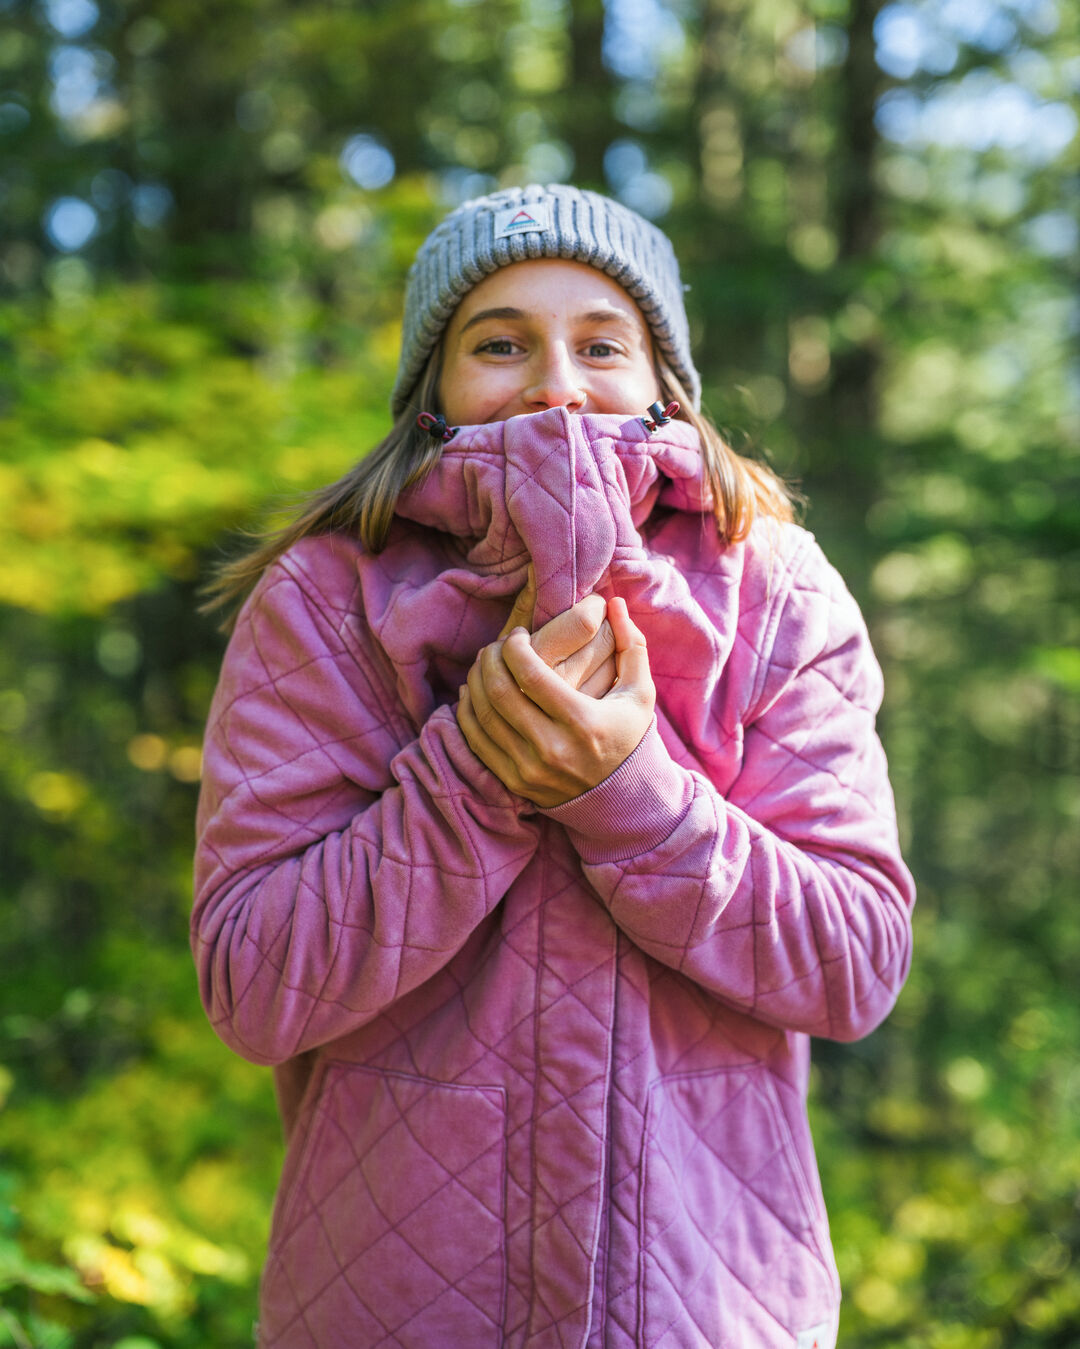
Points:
[(496, 346)]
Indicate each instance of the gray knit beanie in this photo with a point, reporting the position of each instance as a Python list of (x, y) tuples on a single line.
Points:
[(487, 233)]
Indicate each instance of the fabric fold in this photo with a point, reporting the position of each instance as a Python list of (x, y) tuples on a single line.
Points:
[(577, 496)]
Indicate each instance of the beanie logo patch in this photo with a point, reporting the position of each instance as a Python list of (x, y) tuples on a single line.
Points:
[(534, 218)]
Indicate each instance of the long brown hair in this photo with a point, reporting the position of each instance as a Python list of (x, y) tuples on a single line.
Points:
[(742, 488), (361, 502)]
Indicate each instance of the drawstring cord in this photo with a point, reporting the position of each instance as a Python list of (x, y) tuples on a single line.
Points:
[(435, 425), (657, 415)]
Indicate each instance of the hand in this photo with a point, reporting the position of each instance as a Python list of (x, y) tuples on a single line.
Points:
[(578, 644), (542, 738)]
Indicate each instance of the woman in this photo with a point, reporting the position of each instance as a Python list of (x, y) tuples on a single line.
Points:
[(543, 821)]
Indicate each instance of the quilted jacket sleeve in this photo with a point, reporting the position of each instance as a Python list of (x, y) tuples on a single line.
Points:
[(786, 896), (341, 858)]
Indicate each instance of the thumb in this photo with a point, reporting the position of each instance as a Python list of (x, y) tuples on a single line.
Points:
[(521, 614), (634, 676)]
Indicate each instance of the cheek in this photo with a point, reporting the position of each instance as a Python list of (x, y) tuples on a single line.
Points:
[(469, 395), (453, 391), (445, 387), (642, 386)]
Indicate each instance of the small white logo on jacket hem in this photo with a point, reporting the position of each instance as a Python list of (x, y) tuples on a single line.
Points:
[(817, 1337)]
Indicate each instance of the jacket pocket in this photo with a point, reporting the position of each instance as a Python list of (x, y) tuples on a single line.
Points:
[(392, 1229), (734, 1251)]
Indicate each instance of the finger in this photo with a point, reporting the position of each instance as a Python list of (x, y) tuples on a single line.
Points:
[(569, 631), (486, 750), (579, 668), (520, 777), (541, 686), (491, 690), (631, 654), (600, 681)]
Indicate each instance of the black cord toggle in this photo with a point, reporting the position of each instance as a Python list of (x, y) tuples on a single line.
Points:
[(435, 425), (658, 415)]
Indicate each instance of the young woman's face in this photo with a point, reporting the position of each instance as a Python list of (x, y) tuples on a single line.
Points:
[(542, 334)]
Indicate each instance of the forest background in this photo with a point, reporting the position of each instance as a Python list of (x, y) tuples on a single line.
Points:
[(207, 208)]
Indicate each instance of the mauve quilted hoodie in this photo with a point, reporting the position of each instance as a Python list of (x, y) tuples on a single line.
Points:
[(543, 1072)]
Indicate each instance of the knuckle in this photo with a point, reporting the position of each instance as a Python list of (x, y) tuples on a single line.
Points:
[(520, 670), (533, 773), (583, 624), (564, 757), (531, 776), (555, 759), (547, 648), (487, 718), (493, 670), (529, 679)]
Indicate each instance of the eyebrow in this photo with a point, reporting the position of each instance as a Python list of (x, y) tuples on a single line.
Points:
[(606, 316)]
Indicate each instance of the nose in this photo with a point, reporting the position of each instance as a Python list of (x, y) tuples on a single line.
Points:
[(555, 383)]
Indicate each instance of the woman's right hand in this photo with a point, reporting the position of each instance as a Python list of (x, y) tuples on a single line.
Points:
[(542, 739), (578, 644)]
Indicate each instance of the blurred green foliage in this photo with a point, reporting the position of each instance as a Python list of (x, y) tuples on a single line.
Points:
[(208, 211)]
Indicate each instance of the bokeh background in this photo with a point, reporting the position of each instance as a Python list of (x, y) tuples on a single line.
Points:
[(207, 208)]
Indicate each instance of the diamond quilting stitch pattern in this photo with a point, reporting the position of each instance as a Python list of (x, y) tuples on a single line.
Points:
[(369, 896), (399, 1193)]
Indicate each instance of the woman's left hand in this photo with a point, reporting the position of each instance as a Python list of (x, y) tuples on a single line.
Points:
[(543, 739)]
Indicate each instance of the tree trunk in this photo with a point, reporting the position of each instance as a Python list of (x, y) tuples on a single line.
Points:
[(844, 465), (589, 124)]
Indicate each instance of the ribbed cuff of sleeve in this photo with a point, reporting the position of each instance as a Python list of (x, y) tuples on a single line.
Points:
[(633, 810)]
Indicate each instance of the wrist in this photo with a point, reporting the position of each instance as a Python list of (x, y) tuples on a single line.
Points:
[(632, 810)]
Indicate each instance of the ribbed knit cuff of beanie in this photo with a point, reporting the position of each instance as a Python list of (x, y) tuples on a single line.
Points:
[(558, 221)]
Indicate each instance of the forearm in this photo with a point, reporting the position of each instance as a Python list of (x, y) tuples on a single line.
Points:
[(299, 950), (816, 941)]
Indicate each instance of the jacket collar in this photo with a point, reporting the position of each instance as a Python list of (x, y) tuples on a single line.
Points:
[(468, 492)]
